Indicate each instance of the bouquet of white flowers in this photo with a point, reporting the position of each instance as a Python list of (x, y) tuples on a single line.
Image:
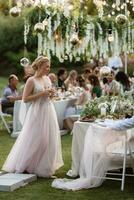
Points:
[(115, 107)]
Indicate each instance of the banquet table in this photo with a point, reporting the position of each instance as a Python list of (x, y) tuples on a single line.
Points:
[(96, 149), (79, 134), (18, 115)]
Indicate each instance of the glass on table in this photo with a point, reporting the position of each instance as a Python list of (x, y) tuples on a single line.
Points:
[(60, 93)]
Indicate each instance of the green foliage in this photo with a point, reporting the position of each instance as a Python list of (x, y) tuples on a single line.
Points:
[(123, 105), (11, 40), (91, 110), (82, 23), (91, 8), (4, 7), (11, 32), (63, 26), (12, 45)]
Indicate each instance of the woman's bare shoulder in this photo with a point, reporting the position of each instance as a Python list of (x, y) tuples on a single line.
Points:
[(31, 79)]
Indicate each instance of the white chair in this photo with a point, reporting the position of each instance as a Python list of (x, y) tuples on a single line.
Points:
[(3, 118), (123, 153)]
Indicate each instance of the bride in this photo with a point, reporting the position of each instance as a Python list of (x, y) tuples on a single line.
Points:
[(37, 150)]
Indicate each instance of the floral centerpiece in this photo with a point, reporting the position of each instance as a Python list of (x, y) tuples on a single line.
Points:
[(90, 112), (113, 107)]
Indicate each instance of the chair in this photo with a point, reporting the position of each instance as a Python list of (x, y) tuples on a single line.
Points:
[(125, 152), (3, 118)]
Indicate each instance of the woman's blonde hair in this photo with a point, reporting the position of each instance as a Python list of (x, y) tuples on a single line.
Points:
[(39, 61), (73, 73)]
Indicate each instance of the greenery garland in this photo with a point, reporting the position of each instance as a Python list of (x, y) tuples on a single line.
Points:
[(82, 20), (78, 23)]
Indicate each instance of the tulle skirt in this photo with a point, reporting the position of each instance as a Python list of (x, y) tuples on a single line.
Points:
[(37, 150)]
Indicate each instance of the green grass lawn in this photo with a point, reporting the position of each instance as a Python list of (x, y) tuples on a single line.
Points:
[(42, 190)]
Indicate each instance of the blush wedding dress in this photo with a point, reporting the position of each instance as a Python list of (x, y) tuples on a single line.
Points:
[(37, 150)]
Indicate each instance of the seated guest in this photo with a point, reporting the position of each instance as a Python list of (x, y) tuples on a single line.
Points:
[(73, 112), (105, 86), (10, 94), (53, 79), (71, 79), (96, 88), (86, 74), (114, 86), (62, 75), (123, 79), (96, 71)]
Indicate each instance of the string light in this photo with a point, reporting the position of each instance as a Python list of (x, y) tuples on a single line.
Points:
[(117, 6), (110, 35), (45, 22), (70, 7), (122, 7), (56, 37), (110, 38), (15, 11), (113, 6), (113, 13), (104, 3)]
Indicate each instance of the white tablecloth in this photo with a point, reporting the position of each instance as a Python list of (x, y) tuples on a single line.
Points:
[(79, 133), (60, 107), (94, 152)]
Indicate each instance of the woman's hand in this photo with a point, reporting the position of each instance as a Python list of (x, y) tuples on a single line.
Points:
[(49, 93), (46, 93)]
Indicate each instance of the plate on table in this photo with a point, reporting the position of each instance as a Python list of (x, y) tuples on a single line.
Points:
[(56, 98), (87, 120)]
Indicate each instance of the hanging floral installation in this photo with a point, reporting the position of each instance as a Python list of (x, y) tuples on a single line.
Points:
[(70, 33)]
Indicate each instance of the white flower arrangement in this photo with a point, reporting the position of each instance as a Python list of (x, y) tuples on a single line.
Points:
[(113, 107)]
